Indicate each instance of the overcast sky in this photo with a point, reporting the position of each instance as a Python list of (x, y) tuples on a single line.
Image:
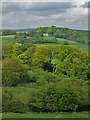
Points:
[(19, 15)]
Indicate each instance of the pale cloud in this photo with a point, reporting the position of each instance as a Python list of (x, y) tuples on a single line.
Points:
[(35, 14), (76, 1), (78, 12), (80, 2)]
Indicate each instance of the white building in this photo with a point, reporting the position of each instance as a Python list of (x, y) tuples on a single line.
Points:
[(45, 34)]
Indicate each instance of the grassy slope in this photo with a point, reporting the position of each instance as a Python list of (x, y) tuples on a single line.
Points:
[(83, 46), (83, 35), (61, 41), (8, 38)]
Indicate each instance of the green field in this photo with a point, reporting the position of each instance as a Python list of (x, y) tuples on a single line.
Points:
[(83, 46), (7, 39), (46, 115), (84, 35)]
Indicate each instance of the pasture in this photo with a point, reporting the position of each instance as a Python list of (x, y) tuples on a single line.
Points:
[(61, 41), (7, 39), (82, 46)]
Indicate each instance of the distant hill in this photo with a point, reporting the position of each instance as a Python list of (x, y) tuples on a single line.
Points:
[(53, 31), (18, 30), (24, 30), (13, 31), (59, 32)]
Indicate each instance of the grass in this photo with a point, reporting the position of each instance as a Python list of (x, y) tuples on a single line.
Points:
[(7, 39), (46, 115), (82, 46), (83, 36), (61, 41)]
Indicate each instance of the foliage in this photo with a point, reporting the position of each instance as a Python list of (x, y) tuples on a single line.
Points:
[(24, 47), (6, 98), (61, 60), (66, 42), (20, 37), (59, 32), (62, 96), (41, 40), (54, 78), (13, 72), (11, 104), (5, 49), (8, 32), (55, 32)]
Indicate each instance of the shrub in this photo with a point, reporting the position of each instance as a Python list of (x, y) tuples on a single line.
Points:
[(17, 106), (13, 72), (6, 99), (12, 104), (66, 42), (8, 32), (56, 97)]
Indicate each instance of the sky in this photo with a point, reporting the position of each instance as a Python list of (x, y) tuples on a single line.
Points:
[(32, 14)]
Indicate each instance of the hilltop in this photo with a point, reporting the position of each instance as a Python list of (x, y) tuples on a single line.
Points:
[(53, 31)]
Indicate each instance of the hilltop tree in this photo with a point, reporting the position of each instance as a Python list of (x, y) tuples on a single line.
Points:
[(8, 32)]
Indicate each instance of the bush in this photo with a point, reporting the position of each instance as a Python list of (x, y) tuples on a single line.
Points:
[(24, 47), (12, 104), (66, 60), (13, 72), (8, 32), (17, 106), (6, 99), (66, 42), (62, 96)]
